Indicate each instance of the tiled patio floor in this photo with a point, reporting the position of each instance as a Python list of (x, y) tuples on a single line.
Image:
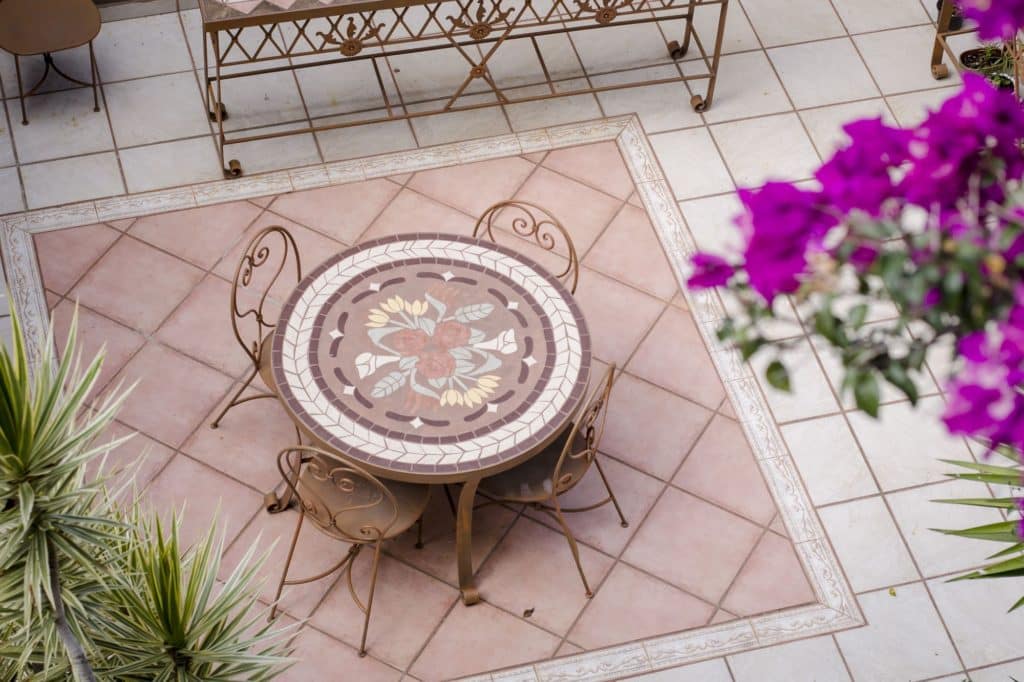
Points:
[(704, 546)]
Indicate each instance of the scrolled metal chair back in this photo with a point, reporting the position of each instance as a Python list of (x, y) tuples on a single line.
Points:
[(590, 426), (532, 222), (270, 249), (336, 493)]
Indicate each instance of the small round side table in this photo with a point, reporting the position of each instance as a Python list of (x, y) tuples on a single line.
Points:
[(31, 27)]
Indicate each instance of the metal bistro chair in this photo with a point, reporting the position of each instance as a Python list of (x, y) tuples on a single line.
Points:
[(349, 504), (540, 481), (531, 221), (254, 334)]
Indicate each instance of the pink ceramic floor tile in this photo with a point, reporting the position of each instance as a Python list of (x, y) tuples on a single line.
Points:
[(674, 356), (206, 497), (771, 579), (692, 544), (323, 658), (246, 443), (407, 607), (199, 235), (583, 211), (133, 463), (533, 569), (601, 528), (136, 284), (201, 327), (632, 605), (473, 187), (342, 212), (314, 248), (95, 332), (173, 396), (481, 638), (65, 255), (411, 211), (599, 165), (437, 556), (315, 552), (618, 316), (721, 468), (629, 251), (651, 428)]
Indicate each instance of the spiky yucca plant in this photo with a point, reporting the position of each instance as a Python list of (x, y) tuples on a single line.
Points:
[(1009, 561), (92, 590)]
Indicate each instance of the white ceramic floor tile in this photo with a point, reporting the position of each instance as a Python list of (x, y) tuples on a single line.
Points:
[(831, 360), (861, 16), (60, 124), (344, 88), (364, 140), (516, 64), (811, 395), (918, 515), (739, 36), (460, 125), (264, 100), (825, 124), (10, 191), (903, 639), (903, 446), (76, 179), (824, 72), (808, 659), (549, 112), (975, 611), (868, 544), (1004, 672), (712, 221), (156, 109), (707, 671), (794, 21), (620, 47), (887, 54), (660, 107), (424, 77), (912, 108), (747, 86), (769, 148), (141, 47), (170, 164), (74, 62), (691, 163), (6, 141), (259, 156), (828, 459)]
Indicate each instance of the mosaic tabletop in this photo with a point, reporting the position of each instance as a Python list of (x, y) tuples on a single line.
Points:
[(432, 354)]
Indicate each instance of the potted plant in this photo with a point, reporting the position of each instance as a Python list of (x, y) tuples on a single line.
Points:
[(91, 588)]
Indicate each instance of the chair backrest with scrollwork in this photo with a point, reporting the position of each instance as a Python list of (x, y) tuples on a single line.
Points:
[(532, 222), (342, 498), (584, 437), (264, 263)]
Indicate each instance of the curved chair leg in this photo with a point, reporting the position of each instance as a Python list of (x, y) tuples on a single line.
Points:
[(622, 518), (369, 599), (278, 503), (234, 399), (557, 513), (287, 563)]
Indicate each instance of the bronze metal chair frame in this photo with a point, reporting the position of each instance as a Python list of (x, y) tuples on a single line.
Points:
[(528, 225), (476, 29), (256, 255), (589, 426), (345, 476)]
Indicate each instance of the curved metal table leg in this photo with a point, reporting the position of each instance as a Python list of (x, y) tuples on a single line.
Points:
[(464, 542)]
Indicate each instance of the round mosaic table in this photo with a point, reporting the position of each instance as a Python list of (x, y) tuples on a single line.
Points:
[(432, 358)]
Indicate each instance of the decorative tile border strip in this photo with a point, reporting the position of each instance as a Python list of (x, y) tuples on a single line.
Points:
[(836, 608)]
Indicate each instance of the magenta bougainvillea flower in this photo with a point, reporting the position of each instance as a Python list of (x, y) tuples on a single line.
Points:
[(996, 19), (709, 271), (859, 176)]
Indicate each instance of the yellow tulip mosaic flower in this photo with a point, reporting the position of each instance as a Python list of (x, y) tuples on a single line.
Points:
[(377, 318)]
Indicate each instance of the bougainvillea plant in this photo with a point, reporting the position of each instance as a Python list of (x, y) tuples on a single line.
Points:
[(909, 241)]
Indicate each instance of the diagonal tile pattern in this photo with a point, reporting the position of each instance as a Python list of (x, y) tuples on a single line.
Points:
[(159, 292)]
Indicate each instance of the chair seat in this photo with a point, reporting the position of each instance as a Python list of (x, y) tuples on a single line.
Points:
[(411, 498), (531, 481)]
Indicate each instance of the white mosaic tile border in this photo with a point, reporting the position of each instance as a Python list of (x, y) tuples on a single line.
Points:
[(836, 608)]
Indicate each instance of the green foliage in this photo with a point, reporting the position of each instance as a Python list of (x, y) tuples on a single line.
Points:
[(1009, 561), (87, 588)]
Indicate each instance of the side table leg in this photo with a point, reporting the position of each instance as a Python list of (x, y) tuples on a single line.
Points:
[(21, 93), (464, 542), (94, 73)]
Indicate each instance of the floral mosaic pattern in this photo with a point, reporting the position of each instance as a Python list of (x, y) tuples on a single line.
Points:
[(438, 353)]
